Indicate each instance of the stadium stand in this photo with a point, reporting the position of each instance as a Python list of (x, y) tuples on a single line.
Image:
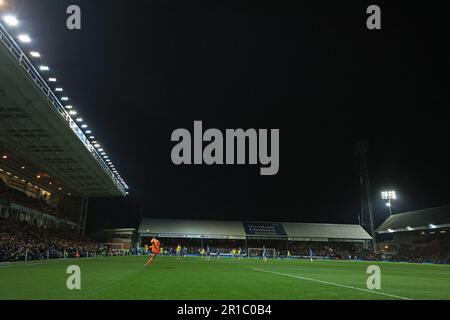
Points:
[(48, 163), (21, 241), (49, 167), (417, 236), (331, 241), (241, 230), (11, 195), (426, 219)]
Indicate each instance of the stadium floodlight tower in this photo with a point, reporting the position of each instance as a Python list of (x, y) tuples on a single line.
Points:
[(366, 216), (389, 195)]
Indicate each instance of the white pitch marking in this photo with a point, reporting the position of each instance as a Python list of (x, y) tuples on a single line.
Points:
[(333, 284), (36, 262)]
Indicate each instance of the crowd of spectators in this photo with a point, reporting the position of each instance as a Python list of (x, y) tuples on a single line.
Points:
[(431, 249), (331, 250), (20, 239), (327, 250)]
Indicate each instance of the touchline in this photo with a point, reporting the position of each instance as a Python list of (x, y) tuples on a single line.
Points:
[(236, 142)]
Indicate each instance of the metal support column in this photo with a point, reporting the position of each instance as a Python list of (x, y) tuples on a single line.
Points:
[(83, 214), (366, 216)]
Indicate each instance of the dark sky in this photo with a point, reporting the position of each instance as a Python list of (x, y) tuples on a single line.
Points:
[(140, 69)]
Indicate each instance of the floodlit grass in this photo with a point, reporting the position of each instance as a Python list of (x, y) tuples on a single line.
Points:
[(197, 279)]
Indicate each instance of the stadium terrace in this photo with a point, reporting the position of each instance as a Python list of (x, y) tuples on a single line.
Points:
[(278, 238)]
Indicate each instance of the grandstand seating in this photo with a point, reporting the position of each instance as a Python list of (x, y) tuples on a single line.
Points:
[(425, 248), (417, 236), (20, 239), (13, 195)]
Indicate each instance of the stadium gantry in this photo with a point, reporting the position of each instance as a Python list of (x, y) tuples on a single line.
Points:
[(45, 152)]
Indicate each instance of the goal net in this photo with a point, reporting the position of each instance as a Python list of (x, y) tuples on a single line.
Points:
[(258, 252), (116, 249)]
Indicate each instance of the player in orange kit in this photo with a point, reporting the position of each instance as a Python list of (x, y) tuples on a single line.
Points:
[(155, 247)]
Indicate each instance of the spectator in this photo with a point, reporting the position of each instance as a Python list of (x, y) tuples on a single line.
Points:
[(20, 239)]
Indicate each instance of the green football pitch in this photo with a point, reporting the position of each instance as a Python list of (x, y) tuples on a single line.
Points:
[(193, 278)]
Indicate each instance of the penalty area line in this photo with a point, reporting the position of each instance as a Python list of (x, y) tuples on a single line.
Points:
[(333, 284)]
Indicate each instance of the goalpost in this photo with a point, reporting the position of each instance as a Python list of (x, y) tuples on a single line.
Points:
[(257, 253), (116, 248)]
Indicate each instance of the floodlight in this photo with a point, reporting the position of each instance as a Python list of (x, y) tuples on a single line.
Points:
[(389, 195), (10, 20), (24, 38)]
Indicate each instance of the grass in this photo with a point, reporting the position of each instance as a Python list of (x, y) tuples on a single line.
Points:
[(196, 279)]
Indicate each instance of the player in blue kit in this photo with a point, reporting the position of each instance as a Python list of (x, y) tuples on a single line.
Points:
[(264, 254), (208, 253)]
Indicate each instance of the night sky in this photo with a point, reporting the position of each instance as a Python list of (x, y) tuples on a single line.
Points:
[(139, 69)]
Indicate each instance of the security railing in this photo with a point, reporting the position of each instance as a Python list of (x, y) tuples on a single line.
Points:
[(25, 63)]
